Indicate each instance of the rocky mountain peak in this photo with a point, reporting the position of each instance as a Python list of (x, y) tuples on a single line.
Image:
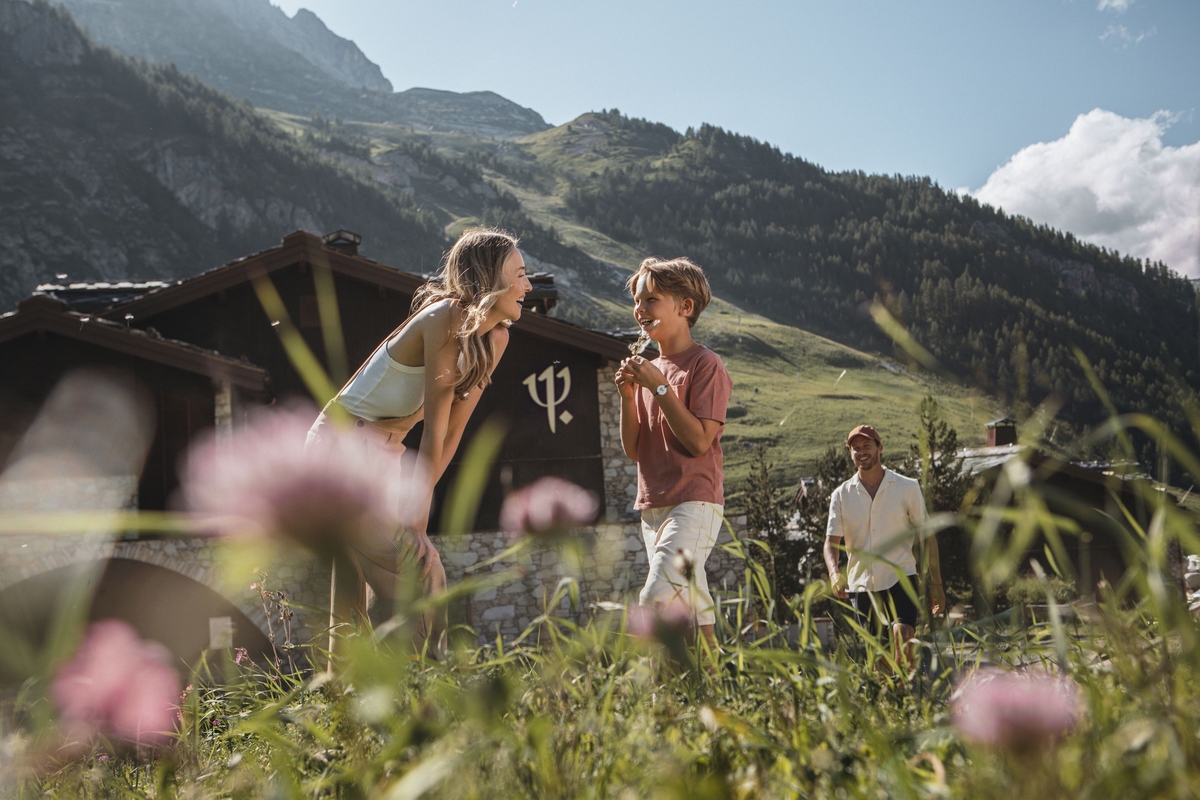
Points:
[(307, 34), (39, 38)]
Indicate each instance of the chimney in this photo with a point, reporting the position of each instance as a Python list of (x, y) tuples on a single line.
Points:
[(1001, 432), (343, 241), (544, 295)]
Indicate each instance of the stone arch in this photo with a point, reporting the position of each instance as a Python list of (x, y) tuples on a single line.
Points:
[(162, 604), (194, 559)]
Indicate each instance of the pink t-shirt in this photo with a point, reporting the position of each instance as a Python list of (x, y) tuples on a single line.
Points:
[(667, 473)]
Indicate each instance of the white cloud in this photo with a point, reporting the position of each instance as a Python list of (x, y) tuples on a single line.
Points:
[(1112, 182), (1119, 6), (1120, 36)]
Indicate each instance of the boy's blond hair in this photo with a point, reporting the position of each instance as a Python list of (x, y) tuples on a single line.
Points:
[(678, 277)]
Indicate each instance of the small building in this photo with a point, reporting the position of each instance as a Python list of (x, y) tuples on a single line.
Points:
[(1097, 500)]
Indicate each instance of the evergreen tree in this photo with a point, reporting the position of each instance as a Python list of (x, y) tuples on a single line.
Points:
[(933, 458)]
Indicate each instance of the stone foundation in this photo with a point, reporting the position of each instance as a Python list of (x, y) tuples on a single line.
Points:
[(613, 570)]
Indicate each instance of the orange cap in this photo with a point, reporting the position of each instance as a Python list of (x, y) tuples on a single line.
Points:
[(864, 430)]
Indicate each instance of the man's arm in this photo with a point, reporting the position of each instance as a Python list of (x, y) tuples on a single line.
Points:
[(937, 593), (832, 557), (933, 563), (833, 541)]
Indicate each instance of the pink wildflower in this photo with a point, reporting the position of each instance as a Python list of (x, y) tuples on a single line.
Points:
[(549, 506), (670, 624), (672, 618), (119, 685), (326, 495), (1015, 711)]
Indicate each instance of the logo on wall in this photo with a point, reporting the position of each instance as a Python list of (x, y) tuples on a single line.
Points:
[(552, 401)]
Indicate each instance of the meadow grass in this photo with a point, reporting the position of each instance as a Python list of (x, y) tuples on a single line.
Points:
[(585, 705)]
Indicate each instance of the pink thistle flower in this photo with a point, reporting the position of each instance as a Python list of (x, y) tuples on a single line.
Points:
[(670, 624), (548, 507), (674, 616), (336, 491), (120, 685), (1019, 712)]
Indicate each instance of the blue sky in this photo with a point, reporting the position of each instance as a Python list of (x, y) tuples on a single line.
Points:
[(952, 89)]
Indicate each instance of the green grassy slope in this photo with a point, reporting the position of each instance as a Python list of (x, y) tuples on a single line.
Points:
[(782, 373), (791, 396)]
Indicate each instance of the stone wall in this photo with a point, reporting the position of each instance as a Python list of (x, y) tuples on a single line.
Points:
[(610, 562), (297, 574)]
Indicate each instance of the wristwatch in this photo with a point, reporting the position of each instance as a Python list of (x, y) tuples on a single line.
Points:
[(661, 390)]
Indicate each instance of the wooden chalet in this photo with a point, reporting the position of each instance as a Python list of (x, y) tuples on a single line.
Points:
[(191, 386), (1095, 499)]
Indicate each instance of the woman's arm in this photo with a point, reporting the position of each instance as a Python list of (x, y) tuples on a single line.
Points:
[(461, 411), (441, 369), (441, 376), (445, 419)]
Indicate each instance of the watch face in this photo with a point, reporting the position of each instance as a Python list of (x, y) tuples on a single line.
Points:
[(661, 390)]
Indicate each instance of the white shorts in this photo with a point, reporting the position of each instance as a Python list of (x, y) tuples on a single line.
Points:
[(691, 526)]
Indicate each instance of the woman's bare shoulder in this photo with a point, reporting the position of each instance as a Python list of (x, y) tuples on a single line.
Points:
[(438, 321)]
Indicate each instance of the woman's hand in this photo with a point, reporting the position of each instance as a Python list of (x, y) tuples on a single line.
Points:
[(416, 544), (643, 372)]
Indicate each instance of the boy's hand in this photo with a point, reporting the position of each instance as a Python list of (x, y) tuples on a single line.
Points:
[(644, 373), (625, 383)]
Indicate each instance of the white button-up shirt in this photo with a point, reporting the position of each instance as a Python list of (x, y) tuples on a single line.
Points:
[(880, 533)]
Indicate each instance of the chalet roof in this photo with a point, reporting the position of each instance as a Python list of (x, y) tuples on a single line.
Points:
[(41, 312), (99, 296), (977, 460), (303, 247), (982, 460)]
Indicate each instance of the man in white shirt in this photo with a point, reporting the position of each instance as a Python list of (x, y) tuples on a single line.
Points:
[(879, 514)]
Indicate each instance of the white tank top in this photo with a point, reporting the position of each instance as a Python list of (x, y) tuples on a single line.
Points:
[(384, 389)]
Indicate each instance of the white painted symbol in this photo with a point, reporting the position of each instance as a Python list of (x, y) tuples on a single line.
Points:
[(552, 401)]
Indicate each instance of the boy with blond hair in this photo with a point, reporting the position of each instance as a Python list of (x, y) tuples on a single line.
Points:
[(672, 416)]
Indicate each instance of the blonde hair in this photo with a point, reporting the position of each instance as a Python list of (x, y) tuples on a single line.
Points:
[(678, 277), (472, 273)]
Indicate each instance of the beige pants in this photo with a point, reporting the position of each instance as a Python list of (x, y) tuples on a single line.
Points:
[(692, 526), (379, 562)]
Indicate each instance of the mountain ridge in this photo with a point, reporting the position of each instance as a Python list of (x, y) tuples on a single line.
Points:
[(115, 170), (251, 49)]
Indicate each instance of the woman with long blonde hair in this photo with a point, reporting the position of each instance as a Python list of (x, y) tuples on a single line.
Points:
[(433, 367)]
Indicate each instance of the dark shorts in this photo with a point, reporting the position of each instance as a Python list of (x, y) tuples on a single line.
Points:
[(905, 609)]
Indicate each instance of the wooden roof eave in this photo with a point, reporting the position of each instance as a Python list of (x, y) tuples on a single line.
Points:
[(137, 344), (1045, 466), (608, 347), (299, 247)]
